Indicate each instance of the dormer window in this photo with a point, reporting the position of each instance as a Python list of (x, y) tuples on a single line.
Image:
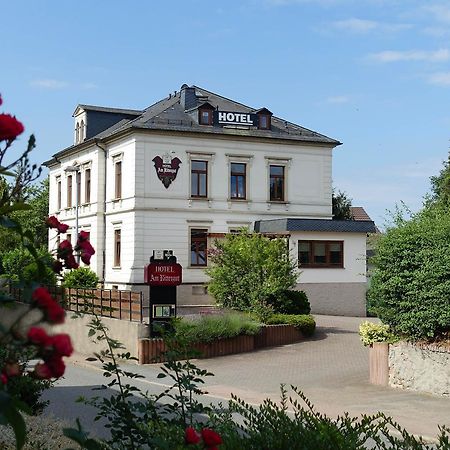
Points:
[(264, 119), (264, 122), (205, 114), (82, 132), (77, 133), (205, 117)]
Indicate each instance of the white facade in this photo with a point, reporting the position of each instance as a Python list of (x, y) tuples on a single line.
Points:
[(150, 216)]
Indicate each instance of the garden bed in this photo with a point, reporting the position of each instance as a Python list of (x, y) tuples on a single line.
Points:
[(152, 350)]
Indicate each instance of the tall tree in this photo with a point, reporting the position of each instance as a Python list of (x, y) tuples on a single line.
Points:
[(440, 185), (341, 206)]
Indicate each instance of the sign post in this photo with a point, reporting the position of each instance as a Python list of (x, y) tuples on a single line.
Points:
[(163, 275)]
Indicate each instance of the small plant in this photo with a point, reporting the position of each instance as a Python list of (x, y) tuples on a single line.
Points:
[(81, 278), (290, 302), (375, 332), (305, 323), (211, 327)]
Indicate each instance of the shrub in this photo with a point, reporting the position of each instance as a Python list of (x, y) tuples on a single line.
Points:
[(20, 261), (247, 268), (81, 278), (375, 332), (410, 288), (290, 302), (211, 327), (305, 323), (25, 388)]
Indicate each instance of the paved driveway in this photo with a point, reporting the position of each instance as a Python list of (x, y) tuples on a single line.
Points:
[(331, 369)]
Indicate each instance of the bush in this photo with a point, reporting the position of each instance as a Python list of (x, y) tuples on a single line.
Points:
[(81, 278), (247, 268), (211, 327), (305, 323), (24, 387), (20, 261), (290, 302), (410, 288), (375, 332)]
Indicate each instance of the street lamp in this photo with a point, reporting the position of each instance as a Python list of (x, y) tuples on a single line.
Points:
[(76, 170)]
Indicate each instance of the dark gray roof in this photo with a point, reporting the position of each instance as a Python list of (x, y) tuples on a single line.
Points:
[(169, 114), (110, 110), (327, 225)]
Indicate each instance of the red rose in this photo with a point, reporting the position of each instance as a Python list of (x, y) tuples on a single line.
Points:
[(62, 344), (64, 249), (56, 366), (70, 262), (83, 236), (3, 378), (51, 222), (210, 437), (42, 297), (55, 313), (38, 336), (10, 127), (191, 436), (42, 371)]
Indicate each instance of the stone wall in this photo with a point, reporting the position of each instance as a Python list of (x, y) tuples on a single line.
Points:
[(421, 368)]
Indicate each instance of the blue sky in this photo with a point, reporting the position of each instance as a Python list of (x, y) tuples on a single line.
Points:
[(373, 74)]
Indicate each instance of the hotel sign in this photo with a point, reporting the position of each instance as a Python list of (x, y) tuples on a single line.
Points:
[(166, 168), (162, 274), (235, 118)]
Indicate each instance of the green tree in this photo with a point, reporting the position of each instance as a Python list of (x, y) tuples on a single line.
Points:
[(440, 185), (410, 287), (341, 206), (32, 219), (248, 268)]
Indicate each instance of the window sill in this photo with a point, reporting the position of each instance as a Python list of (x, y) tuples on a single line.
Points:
[(199, 198), (116, 267), (239, 200), (198, 267), (278, 202), (320, 267), (115, 200)]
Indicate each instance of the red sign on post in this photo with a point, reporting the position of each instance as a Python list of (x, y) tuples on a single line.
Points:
[(163, 274)]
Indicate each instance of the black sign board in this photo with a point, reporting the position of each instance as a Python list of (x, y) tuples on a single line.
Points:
[(235, 118)]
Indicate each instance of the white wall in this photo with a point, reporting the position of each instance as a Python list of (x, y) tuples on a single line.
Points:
[(354, 270)]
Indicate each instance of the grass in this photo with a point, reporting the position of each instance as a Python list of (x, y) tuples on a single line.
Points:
[(209, 328)]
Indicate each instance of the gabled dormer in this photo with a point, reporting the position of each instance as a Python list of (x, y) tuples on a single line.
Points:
[(92, 120), (206, 114), (264, 119), (80, 116)]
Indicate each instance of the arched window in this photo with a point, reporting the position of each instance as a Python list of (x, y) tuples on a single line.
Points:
[(82, 132), (77, 133)]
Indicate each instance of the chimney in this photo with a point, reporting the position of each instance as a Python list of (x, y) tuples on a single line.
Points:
[(188, 99)]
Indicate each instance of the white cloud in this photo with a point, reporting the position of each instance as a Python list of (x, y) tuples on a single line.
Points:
[(441, 12), (361, 26), (440, 78), (388, 56), (88, 86), (355, 25), (49, 84), (338, 99)]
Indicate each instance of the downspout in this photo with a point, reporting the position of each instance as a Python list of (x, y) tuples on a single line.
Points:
[(102, 146)]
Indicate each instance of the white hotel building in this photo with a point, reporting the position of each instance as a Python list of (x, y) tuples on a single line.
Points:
[(192, 167)]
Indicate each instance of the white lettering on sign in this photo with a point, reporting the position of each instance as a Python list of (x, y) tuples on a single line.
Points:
[(234, 118)]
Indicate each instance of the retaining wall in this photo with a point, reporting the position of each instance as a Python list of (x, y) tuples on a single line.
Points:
[(423, 368)]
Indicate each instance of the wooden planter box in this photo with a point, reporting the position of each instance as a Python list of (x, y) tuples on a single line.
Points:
[(152, 350), (379, 363), (273, 335)]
